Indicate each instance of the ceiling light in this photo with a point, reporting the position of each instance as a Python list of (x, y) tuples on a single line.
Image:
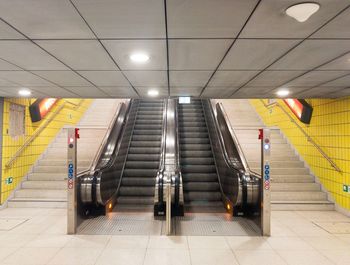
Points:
[(153, 93), (282, 93), (24, 92), (139, 57), (302, 11)]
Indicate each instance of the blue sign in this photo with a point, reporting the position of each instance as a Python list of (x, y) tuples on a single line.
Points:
[(70, 171)]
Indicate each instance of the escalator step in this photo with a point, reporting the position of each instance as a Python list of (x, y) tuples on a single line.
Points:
[(195, 147), (154, 144), (146, 138), (191, 153), (142, 173), (198, 177), (143, 157), (142, 164), (194, 141), (136, 191), (197, 160), (202, 186), (144, 150), (198, 169), (127, 181), (202, 196), (135, 200)]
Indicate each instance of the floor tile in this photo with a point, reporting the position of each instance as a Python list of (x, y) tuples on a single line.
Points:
[(300, 257), (212, 256), (76, 256), (167, 257), (34, 256), (258, 257), (6, 251), (124, 242), (329, 242), (49, 241), (339, 257), (88, 241), (207, 242), (309, 230), (288, 243), (171, 242), (16, 240), (121, 257), (247, 243)]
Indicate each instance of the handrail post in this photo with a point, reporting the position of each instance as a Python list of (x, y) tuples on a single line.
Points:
[(168, 207)]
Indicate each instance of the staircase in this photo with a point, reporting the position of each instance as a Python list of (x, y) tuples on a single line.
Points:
[(45, 185), (292, 185), (142, 162), (200, 181)]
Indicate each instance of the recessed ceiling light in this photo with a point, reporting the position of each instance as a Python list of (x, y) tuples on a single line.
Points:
[(139, 57), (24, 92), (302, 11), (153, 93), (282, 93)]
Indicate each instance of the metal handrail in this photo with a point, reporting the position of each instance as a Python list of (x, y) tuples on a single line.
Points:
[(30, 139), (308, 137), (97, 157)]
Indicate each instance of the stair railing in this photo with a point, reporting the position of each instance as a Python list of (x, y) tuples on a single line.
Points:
[(37, 132), (308, 137)]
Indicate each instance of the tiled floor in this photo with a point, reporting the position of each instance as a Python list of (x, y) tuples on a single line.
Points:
[(296, 239)]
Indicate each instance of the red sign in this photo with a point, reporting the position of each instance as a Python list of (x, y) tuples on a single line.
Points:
[(301, 109), (40, 108)]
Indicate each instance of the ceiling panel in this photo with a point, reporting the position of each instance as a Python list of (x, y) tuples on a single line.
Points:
[(315, 78), (122, 49), (119, 92), (147, 78), (231, 78), (63, 78), (207, 18), (4, 82), (311, 54), (105, 78), (23, 78), (52, 91), (143, 90), (337, 28), (6, 32), (124, 19), (79, 54), (342, 63), (44, 18), (7, 66), (196, 54), (8, 92), (185, 91), (274, 78), (317, 92), (189, 78), (340, 82), (340, 93), (218, 92), (28, 56), (255, 54), (88, 91), (270, 20)]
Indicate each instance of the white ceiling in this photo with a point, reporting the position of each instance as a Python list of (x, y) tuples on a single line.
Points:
[(206, 48)]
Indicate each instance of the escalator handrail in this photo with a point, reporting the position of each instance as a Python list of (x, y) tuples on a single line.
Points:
[(86, 179), (178, 174), (96, 161), (219, 110), (160, 172)]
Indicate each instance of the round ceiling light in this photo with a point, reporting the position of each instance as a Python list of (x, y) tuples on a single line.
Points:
[(24, 92), (302, 11), (153, 93), (282, 93), (139, 57)]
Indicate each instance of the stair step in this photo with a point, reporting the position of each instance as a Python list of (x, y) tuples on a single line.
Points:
[(302, 206), (47, 176), (298, 196), (39, 193), (51, 185), (295, 187), (37, 203)]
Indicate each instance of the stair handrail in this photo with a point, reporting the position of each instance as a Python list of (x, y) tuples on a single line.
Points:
[(30, 139), (103, 143), (308, 137)]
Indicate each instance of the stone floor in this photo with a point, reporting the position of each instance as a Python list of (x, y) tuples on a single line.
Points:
[(37, 236)]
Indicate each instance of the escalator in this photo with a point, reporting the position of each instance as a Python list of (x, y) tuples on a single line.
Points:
[(143, 158), (201, 187), (124, 173)]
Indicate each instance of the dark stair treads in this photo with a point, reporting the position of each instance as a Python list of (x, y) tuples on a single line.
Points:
[(200, 181), (142, 162)]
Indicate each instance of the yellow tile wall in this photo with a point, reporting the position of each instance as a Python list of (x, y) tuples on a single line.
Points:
[(330, 128), (69, 115)]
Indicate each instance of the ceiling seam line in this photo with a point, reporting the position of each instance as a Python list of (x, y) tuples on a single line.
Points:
[(284, 54), (36, 44), (167, 43), (230, 47), (32, 72), (105, 49), (314, 69)]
